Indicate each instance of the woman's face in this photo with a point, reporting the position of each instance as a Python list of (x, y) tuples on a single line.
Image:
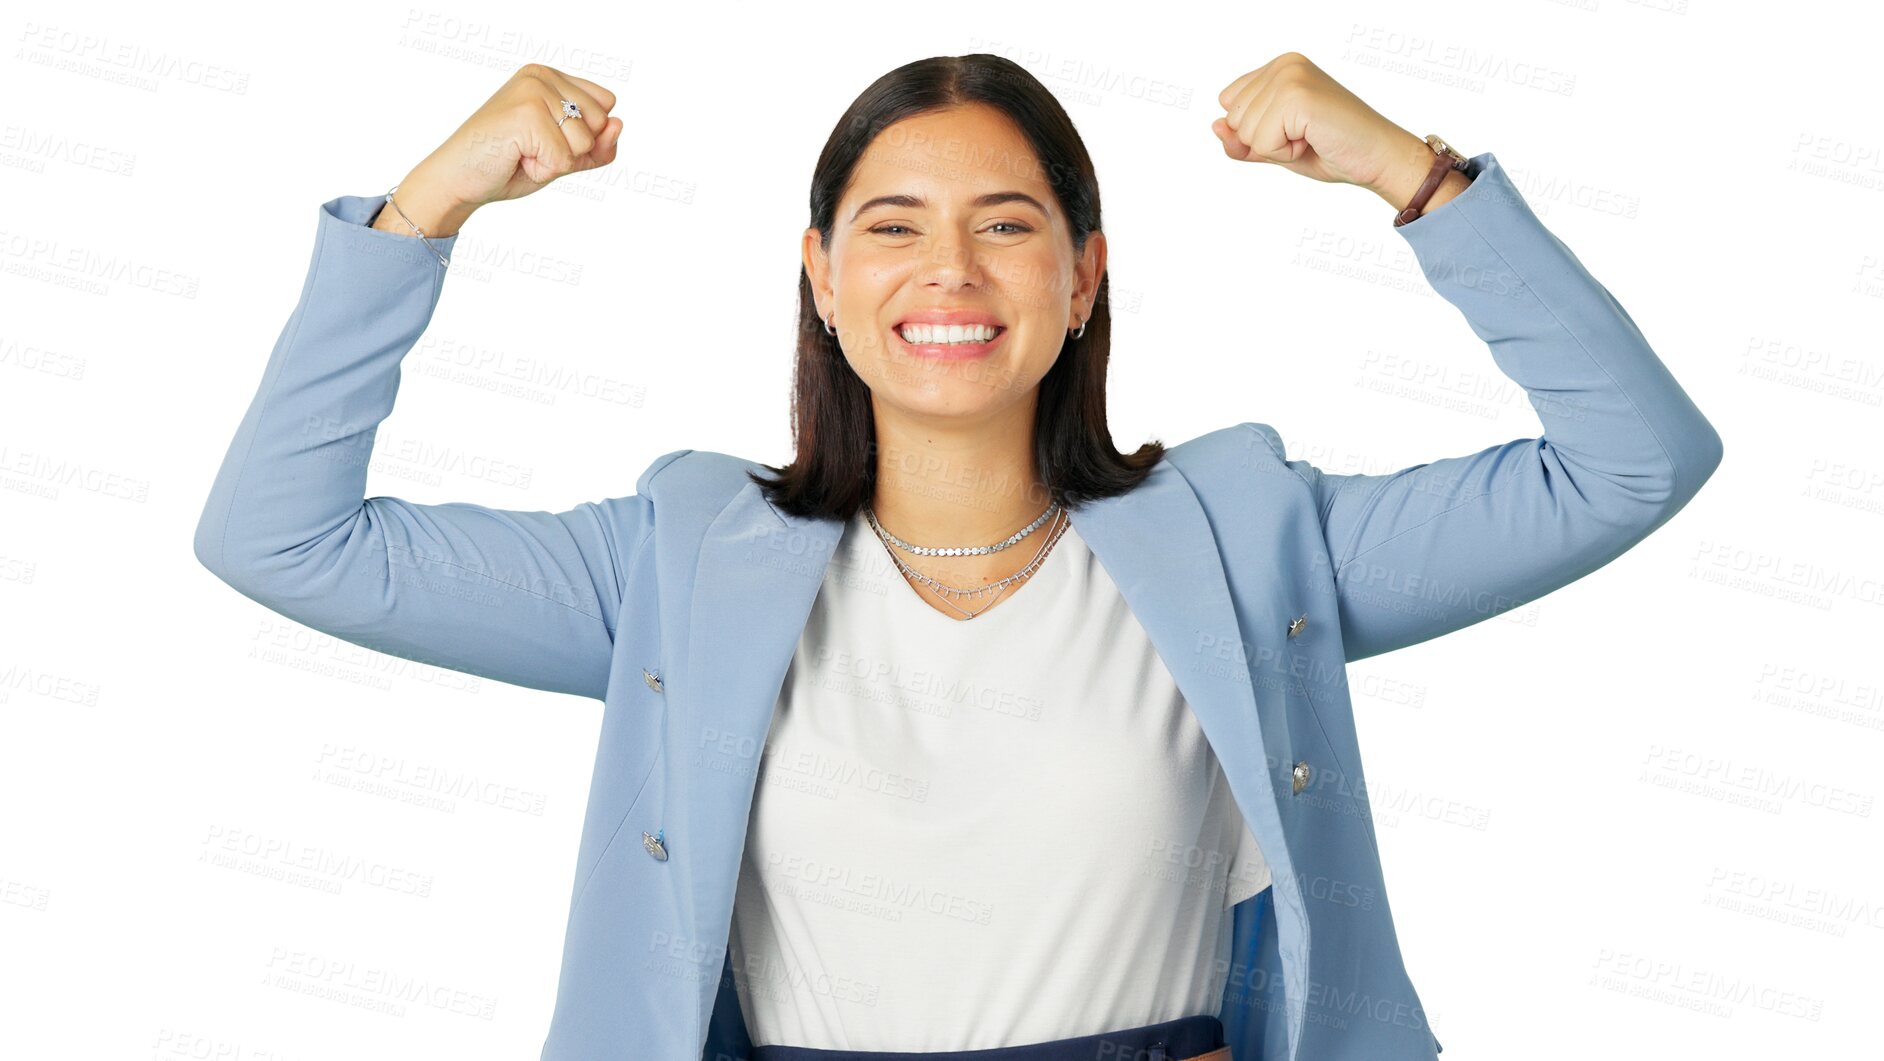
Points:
[(949, 221)]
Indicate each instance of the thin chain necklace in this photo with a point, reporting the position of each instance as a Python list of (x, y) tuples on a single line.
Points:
[(946, 592)]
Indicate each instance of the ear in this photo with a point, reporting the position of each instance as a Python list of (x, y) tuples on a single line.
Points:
[(1087, 271), (818, 270)]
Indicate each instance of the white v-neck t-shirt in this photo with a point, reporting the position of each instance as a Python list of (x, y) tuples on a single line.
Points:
[(982, 833)]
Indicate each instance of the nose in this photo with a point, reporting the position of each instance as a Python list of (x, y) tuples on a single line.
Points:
[(951, 263)]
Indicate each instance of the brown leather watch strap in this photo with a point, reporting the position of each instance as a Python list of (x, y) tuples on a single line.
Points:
[(1441, 163)]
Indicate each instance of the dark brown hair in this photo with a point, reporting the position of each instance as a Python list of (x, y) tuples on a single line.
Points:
[(833, 473)]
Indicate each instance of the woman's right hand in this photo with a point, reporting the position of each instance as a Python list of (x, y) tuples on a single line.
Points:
[(508, 149)]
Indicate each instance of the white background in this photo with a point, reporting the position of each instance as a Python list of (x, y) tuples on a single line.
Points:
[(1633, 819)]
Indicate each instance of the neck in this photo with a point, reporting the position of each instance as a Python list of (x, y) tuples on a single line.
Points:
[(948, 483)]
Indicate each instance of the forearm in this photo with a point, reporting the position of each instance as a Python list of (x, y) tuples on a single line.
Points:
[(1445, 543), (524, 596), (1403, 178), (421, 201), (297, 466), (1606, 399)]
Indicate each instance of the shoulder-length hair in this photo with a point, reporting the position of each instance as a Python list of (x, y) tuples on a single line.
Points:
[(833, 472)]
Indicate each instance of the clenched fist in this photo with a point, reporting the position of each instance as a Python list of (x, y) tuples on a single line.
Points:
[(511, 147), (1288, 112)]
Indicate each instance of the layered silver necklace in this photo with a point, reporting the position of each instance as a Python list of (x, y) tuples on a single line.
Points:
[(949, 593)]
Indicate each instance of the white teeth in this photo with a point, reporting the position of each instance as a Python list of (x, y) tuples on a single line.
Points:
[(932, 334)]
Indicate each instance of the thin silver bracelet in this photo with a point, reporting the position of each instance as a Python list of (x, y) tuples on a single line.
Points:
[(442, 260)]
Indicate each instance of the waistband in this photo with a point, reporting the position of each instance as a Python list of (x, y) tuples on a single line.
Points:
[(1172, 1040)]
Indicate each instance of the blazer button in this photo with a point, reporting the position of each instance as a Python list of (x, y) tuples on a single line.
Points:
[(1298, 778), (1296, 624), (653, 679), (652, 841)]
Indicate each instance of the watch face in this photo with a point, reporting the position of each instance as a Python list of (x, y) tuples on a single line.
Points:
[(1439, 146)]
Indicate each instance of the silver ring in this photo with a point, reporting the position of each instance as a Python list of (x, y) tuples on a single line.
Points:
[(570, 110)]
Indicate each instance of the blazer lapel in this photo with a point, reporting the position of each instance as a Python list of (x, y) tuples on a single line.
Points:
[(1157, 545), (759, 574)]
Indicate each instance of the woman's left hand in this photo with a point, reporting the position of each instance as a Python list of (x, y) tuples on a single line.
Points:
[(1290, 113)]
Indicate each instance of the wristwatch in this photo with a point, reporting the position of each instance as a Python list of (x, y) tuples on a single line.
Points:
[(1444, 158)]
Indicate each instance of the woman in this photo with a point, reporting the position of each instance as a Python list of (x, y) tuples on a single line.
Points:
[(1122, 812)]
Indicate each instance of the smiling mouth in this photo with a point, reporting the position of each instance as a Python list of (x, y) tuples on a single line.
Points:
[(936, 345), (944, 335)]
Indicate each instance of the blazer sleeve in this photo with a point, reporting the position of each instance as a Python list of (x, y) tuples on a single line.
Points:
[(530, 598), (1442, 545)]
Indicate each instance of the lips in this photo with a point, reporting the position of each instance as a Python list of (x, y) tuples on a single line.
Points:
[(949, 351), (951, 316)]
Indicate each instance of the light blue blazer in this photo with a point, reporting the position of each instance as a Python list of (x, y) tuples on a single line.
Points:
[(1256, 576)]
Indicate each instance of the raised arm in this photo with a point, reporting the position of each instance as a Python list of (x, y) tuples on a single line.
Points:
[(526, 597), (1438, 546), (529, 598), (1442, 545)]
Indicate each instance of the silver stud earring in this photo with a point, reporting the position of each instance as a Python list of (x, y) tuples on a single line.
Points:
[(828, 330), (1081, 331)]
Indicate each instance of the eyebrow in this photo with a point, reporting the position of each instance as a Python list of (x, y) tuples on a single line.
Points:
[(915, 202)]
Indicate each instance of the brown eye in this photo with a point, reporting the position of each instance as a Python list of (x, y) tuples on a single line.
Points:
[(885, 229)]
